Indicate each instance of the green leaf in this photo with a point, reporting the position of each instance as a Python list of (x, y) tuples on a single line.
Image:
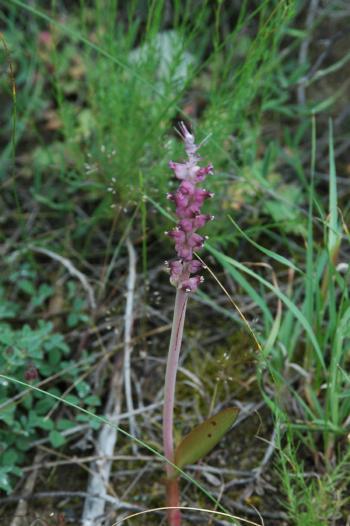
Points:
[(23, 443), (44, 423), (4, 480), (72, 399), (42, 294), (230, 263), (72, 320), (44, 405), (269, 253), (27, 286), (56, 439), (64, 423), (54, 357), (83, 389), (10, 457), (204, 437), (7, 413), (92, 400), (27, 401), (334, 236), (86, 418)]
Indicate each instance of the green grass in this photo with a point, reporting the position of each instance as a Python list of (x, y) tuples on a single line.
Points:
[(305, 354), (311, 499), (127, 112)]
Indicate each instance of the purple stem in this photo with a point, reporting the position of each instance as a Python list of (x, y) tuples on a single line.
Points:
[(172, 484), (170, 376)]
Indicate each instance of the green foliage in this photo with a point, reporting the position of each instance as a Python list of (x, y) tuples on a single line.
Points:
[(319, 307), (33, 352), (304, 354), (311, 501), (24, 419), (132, 84)]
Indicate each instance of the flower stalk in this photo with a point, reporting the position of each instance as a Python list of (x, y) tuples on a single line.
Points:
[(184, 269), (172, 484)]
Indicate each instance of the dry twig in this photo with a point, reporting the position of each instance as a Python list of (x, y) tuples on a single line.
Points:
[(129, 318), (22, 506), (99, 479)]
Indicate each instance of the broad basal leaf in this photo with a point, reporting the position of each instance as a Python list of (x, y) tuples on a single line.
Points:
[(203, 438)]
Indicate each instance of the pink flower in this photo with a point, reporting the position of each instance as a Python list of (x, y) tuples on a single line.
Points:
[(195, 240), (194, 266), (188, 200), (191, 284), (177, 234), (180, 170), (187, 225), (201, 219), (190, 146), (202, 172)]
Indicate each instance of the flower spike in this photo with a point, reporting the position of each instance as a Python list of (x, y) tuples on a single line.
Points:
[(188, 199), (184, 275)]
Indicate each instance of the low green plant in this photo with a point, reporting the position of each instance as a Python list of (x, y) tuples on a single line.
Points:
[(35, 352), (311, 499), (117, 90)]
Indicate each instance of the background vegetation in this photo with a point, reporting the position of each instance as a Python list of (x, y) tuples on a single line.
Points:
[(90, 95)]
